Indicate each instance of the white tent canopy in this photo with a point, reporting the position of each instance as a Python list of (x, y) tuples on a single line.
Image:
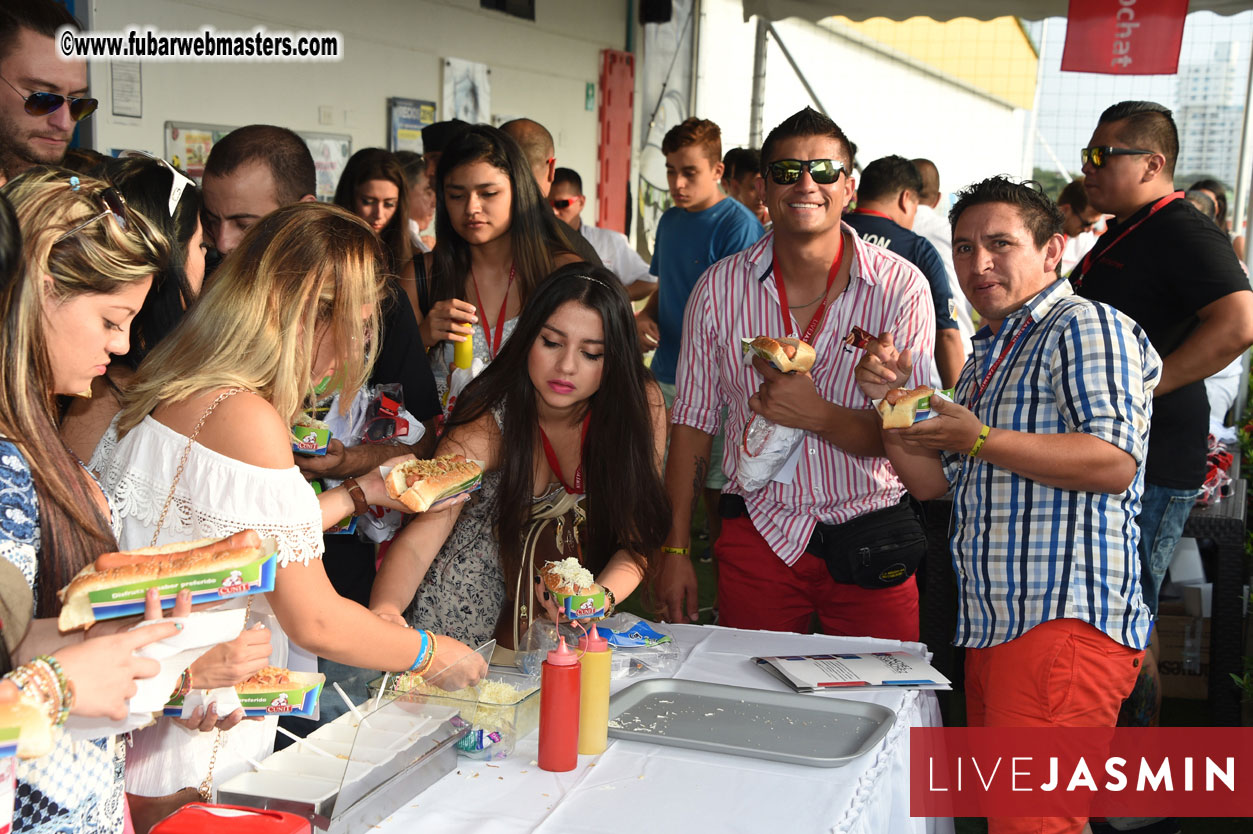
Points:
[(941, 9)]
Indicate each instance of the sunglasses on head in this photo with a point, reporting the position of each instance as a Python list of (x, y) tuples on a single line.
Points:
[(179, 182), (114, 205), (41, 104), (1100, 154), (822, 171), (563, 204)]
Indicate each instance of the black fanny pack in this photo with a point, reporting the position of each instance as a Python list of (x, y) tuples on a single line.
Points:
[(880, 549)]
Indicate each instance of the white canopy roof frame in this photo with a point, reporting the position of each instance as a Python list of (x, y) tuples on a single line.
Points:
[(815, 10)]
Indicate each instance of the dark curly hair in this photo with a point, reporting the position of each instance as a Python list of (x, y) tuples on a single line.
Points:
[(1039, 214)]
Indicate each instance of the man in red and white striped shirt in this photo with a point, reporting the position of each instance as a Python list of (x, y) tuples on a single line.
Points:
[(813, 274)]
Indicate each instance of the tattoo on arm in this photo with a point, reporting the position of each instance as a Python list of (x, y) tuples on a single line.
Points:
[(698, 481)]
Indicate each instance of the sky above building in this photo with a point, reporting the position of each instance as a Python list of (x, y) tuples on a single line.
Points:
[(1071, 102)]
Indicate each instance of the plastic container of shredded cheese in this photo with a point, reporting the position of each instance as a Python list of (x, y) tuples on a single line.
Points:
[(500, 709)]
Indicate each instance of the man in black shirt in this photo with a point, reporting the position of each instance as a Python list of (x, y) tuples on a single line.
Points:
[(1168, 267), (887, 200)]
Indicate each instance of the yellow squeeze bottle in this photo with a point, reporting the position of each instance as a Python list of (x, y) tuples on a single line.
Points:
[(463, 352), (594, 693)]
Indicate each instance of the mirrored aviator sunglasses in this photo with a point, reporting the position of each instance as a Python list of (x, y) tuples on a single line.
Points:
[(822, 171), (41, 104)]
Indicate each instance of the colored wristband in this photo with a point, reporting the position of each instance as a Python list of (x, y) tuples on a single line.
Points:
[(983, 436), (677, 551), (422, 651)]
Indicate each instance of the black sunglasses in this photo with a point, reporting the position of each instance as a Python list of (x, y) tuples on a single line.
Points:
[(41, 104), (561, 204), (1100, 154), (823, 171), (114, 205)]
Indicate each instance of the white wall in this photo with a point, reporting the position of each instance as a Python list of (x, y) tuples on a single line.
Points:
[(884, 105), (393, 48)]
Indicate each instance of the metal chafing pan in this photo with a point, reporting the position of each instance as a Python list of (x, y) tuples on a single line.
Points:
[(813, 730)]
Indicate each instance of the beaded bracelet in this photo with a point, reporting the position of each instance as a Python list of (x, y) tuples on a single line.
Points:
[(611, 602), (39, 685), (64, 684)]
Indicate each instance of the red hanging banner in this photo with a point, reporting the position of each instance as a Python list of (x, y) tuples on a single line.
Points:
[(1124, 37)]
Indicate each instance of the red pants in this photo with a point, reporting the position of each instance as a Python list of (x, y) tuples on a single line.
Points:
[(756, 590), (1062, 673)]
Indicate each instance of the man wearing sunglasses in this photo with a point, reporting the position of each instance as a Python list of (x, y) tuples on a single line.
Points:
[(1079, 219), (811, 277), (1171, 270), (615, 251), (42, 97), (888, 195)]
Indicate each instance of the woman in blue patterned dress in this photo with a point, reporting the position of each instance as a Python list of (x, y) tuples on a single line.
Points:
[(85, 267)]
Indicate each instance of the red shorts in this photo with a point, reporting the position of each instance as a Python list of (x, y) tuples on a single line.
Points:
[(1062, 673), (757, 590)]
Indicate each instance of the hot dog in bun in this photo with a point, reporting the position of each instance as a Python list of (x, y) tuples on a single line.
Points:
[(114, 570), (900, 405), (786, 354), (421, 483)]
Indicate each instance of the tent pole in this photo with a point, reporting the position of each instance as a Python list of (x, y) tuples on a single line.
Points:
[(796, 69), (759, 85)]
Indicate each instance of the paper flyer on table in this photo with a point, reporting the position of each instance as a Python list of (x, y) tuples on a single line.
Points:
[(863, 670)]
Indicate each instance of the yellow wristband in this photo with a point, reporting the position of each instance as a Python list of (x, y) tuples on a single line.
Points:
[(677, 551), (983, 436)]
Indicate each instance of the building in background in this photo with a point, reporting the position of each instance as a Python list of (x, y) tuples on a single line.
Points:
[(1210, 114)]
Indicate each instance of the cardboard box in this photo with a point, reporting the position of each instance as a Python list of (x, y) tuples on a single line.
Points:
[(1173, 637), (309, 440), (256, 577)]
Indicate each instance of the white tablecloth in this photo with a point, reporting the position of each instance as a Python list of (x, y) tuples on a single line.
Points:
[(635, 786)]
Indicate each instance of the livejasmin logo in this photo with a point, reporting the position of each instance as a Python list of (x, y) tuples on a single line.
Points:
[(1125, 24), (1080, 772), (1021, 773)]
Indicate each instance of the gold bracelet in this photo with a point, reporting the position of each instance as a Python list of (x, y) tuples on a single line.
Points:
[(677, 551), (983, 436)]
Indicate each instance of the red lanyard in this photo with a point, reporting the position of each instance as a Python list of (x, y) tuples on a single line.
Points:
[(987, 377), (493, 339), (577, 488), (821, 312), (1087, 259), (872, 212)]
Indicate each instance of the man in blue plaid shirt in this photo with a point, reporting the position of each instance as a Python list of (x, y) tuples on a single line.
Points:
[(1043, 447)]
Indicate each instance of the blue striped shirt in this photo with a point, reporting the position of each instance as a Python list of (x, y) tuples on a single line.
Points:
[(1025, 553)]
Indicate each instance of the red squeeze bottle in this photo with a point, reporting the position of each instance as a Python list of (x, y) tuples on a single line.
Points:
[(559, 710)]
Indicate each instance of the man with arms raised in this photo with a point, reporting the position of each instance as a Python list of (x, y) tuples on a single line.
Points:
[(1044, 449), (42, 97), (812, 278)]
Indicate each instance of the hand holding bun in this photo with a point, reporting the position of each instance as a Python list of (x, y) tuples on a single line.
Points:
[(786, 354), (899, 406)]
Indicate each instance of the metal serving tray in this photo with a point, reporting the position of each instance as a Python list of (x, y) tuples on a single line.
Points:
[(812, 730)]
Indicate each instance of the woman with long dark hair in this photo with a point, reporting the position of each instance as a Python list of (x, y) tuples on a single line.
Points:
[(566, 415), (1218, 192), (496, 239), (171, 202), (373, 188)]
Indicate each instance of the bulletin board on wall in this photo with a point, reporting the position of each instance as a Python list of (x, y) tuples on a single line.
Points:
[(187, 146)]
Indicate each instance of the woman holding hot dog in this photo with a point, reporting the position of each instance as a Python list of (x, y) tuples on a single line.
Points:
[(566, 417), (206, 428), (497, 240), (67, 294)]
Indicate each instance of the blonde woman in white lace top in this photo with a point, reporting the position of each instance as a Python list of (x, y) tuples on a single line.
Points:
[(294, 304)]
